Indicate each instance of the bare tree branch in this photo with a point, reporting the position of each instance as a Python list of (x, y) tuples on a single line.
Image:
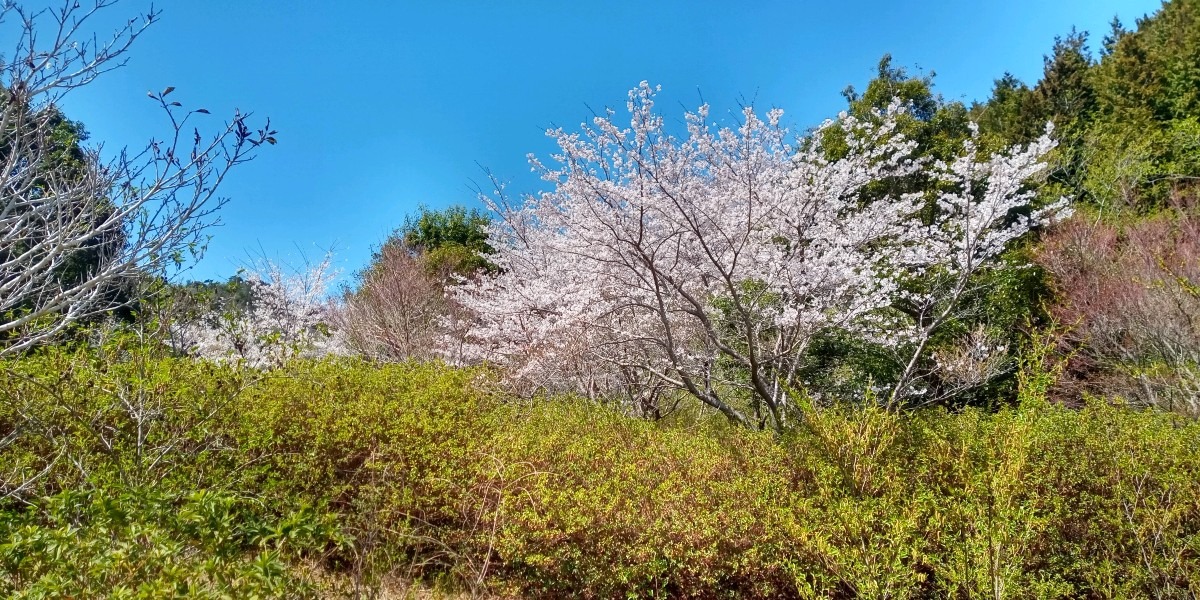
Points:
[(141, 212)]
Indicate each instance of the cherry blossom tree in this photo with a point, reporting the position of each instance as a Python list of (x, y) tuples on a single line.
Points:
[(139, 211), (288, 317), (708, 264)]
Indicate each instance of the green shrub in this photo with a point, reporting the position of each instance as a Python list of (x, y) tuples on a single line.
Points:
[(589, 500), (394, 449), (858, 502), (146, 544), (418, 472), (124, 415)]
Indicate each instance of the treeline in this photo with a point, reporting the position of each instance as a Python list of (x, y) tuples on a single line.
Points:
[(1124, 112)]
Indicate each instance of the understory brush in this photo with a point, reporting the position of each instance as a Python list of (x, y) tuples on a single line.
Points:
[(129, 474)]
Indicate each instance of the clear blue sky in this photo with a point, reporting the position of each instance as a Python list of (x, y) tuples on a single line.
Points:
[(382, 106)]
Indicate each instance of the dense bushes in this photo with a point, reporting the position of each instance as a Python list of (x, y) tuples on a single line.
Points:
[(344, 477), (861, 503), (121, 474), (385, 449), (395, 450), (148, 544)]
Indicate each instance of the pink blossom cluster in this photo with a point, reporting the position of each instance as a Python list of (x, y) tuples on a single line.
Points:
[(709, 262)]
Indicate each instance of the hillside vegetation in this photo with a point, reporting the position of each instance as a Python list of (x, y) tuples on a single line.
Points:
[(338, 478), (928, 349)]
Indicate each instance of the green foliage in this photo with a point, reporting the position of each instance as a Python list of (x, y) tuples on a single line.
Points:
[(393, 449), (938, 127), (142, 543), (1125, 123), (120, 478), (125, 415), (451, 240), (365, 473), (1011, 115), (1039, 501)]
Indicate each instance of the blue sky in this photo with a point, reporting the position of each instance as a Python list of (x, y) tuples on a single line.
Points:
[(382, 106)]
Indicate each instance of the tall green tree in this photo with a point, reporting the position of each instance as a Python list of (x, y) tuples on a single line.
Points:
[(1012, 114), (1127, 122), (938, 126), (451, 241), (1144, 142)]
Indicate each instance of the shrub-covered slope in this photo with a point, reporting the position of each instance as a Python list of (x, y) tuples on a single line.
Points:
[(327, 476)]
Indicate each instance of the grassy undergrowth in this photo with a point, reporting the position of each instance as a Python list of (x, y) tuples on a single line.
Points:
[(130, 475)]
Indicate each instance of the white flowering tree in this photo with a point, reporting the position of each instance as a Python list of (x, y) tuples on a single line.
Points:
[(287, 317), (708, 264)]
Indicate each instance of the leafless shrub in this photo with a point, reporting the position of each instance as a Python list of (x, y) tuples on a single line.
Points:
[(399, 310), (1132, 294)]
